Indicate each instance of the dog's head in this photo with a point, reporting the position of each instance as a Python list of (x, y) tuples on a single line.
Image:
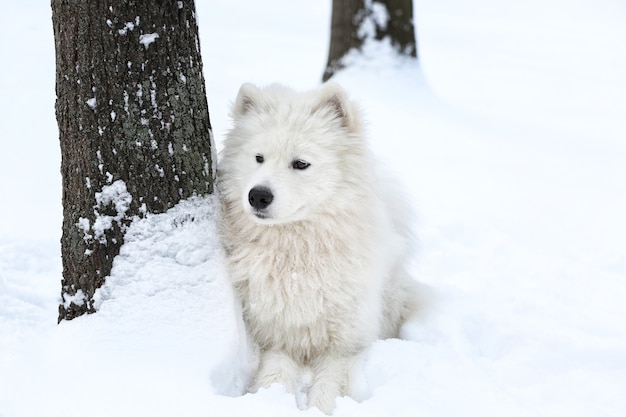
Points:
[(287, 153)]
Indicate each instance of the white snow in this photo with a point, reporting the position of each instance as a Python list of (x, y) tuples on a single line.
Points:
[(127, 26), (147, 39), (377, 19), (116, 195), (509, 136), (78, 299), (100, 161), (85, 225), (91, 103)]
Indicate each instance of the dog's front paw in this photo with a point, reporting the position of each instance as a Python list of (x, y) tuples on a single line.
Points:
[(276, 367), (323, 397)]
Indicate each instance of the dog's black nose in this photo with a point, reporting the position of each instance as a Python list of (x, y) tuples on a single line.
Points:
[(260, 197)]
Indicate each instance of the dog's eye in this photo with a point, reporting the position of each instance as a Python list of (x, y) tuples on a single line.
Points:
[(259, 158), (300, 164)]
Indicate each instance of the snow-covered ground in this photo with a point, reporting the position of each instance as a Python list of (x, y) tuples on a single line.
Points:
[(510, 136)]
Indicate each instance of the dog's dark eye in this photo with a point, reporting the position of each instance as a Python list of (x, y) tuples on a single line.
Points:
[(259, 158), (300, 164)]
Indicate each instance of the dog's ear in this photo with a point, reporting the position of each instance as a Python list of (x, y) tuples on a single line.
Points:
[(247, 100), (332, 97)]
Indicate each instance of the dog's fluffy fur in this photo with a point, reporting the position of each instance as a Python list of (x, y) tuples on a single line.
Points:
[(315, 243)]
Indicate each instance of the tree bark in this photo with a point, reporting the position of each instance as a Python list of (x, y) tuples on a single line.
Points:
[(350, 19), (133, 126), (346, 18)]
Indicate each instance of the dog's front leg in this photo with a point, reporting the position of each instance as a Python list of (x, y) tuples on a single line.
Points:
[(331, 379), (276, 367)]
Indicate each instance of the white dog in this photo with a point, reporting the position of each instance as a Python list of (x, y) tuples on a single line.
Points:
[(314, 250)]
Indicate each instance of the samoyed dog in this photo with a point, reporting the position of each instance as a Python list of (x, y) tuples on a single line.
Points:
[(315, 242)]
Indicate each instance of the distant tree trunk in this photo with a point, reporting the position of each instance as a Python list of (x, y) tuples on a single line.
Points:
[(354, 21), (133, 126)]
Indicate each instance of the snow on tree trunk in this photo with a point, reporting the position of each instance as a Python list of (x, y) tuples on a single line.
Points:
[(356, 21), (133, 126)]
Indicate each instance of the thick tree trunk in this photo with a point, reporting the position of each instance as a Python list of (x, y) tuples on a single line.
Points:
[(346, 19), (133, 125), (400, 27), (354, 21)]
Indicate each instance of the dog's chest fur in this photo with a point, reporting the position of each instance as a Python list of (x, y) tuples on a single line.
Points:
[(297, 294)]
